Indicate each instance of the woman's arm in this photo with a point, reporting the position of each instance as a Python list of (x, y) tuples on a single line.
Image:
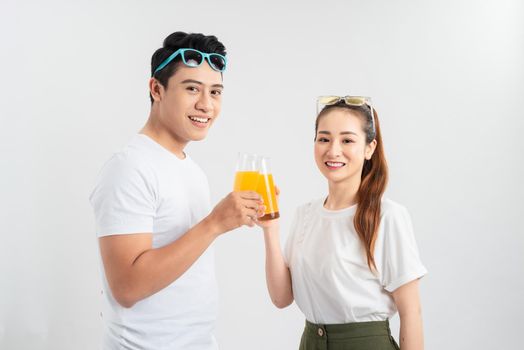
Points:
[(278, 277), (407, 300)]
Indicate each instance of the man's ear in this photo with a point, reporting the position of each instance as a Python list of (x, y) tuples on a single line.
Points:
[(155, 89)]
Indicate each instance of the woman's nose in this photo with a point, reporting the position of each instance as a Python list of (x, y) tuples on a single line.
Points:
[(334, 150)]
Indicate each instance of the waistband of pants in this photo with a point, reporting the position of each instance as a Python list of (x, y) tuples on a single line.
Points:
[(349, 330)]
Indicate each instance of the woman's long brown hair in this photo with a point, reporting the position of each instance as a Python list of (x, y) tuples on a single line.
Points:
[(373, 180)]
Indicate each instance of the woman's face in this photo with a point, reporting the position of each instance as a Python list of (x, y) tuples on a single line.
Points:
[(340, 145)]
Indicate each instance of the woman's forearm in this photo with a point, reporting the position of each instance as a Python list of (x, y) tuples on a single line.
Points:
[(278, 277), (411, 333)]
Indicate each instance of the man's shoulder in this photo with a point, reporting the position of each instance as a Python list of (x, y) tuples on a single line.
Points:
[(130, 160)]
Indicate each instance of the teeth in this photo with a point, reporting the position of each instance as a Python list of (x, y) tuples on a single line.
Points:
[(200, 120), (332, 164)]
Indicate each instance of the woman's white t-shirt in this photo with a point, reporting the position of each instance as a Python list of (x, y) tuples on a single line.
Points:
[(332, 282)]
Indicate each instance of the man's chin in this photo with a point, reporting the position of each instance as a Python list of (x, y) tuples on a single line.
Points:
[(199, 136)]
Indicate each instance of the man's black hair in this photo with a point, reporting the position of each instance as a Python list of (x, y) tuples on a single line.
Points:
[(179, 40)]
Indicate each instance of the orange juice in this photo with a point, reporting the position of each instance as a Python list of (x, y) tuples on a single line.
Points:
[(246, 181), (266, 188)]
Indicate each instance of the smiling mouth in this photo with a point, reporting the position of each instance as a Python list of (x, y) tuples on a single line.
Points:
[(334, 165), (200, 119)]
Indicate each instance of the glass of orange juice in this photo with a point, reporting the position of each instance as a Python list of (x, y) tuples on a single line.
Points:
[(247, 173), (266, 188)]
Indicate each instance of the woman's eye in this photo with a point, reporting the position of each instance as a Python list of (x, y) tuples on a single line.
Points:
[(323, 139), (348, 141)]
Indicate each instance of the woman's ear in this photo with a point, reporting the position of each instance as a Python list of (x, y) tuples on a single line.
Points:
[(370, 149), (155, 88)]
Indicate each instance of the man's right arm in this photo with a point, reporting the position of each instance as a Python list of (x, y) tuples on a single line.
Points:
[(135, 270)]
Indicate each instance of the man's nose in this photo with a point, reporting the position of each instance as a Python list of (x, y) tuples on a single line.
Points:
[(204, 103)]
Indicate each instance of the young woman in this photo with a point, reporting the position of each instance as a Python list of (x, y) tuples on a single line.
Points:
[(351, 260)]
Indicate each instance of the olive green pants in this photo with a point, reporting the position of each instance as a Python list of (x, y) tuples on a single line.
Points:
[(350, 336)]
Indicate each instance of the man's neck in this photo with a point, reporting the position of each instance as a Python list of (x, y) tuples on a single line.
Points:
[(164, 138)]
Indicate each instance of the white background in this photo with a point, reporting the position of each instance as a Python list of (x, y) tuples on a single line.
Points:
[(447, 78)]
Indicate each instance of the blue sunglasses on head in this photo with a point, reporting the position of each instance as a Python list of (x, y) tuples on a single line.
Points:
[(194, 58)]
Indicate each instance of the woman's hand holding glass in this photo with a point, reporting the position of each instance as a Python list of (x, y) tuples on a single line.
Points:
[(253, 173)]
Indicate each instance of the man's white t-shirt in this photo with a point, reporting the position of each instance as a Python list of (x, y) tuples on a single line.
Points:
[(332, 282), (144, 188)]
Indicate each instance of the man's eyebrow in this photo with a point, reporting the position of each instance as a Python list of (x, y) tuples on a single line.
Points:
[(192, 81)]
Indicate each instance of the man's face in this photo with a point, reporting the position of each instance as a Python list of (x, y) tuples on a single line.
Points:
[(191, 102)]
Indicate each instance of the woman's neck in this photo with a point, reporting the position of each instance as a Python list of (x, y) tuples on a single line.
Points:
[(342, 194)]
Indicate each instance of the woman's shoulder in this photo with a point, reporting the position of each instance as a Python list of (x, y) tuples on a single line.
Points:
[(313, 204), (390, 208)]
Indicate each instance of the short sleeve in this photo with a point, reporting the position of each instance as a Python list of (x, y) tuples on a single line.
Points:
[(123, 199), (396, 251)]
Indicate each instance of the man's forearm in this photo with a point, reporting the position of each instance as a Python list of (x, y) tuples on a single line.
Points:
[(155, 269)]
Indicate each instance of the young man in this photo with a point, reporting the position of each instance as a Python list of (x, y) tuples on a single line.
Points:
[(152, 207)]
